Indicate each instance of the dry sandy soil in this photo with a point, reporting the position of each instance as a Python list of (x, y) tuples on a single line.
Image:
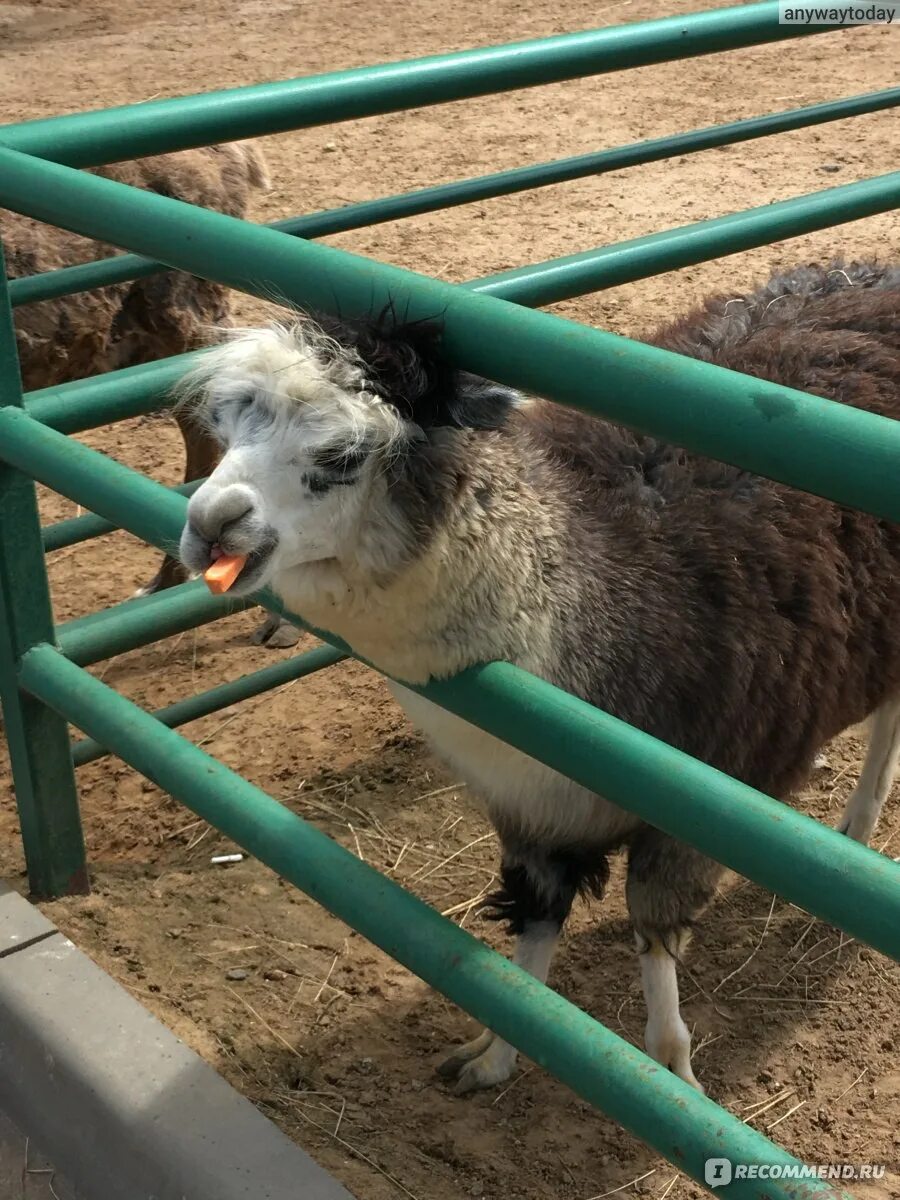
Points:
[(796, 1028)]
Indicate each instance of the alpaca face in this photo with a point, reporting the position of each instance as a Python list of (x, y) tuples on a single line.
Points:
[(303, 441), (337, 449)]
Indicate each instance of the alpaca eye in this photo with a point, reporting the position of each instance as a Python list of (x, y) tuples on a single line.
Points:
[(340, 458)]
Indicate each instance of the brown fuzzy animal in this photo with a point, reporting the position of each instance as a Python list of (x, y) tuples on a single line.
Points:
[(73, 337), (435, 520)]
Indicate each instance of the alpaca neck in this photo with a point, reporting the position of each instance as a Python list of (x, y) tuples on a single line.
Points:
[(478, 591)]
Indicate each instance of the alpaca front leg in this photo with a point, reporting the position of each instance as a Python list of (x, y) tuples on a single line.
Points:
[(487, 1059), (276, 633), (534, 900)]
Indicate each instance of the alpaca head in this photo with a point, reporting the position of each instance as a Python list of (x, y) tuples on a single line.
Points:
[(341, 445)]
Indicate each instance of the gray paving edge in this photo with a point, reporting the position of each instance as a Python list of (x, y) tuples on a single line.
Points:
[(117, 1102)]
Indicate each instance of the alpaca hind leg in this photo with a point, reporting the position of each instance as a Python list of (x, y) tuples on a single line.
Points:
[(537, 890), (876, 779), (669, 884)]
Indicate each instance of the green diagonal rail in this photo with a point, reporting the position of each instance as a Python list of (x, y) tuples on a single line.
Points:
[(831, 876), (825, 448), (815, 444), (125, 267), (87, 139), (600, 1066)]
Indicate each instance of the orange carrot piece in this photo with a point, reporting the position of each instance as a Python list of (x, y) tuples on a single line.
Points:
[(224, 571)]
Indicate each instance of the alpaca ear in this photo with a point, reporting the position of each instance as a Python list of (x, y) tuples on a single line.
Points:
[(475, 403), (404, 364)]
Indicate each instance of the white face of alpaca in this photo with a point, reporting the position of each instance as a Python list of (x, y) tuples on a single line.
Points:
[(304, 444)]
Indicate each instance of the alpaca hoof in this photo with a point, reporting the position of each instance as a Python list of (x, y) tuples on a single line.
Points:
[(486, 1071), (148, 589), (859, 826), (670, 1045), (479, 1064), (451, 1066), (170, 574), (276, 633)]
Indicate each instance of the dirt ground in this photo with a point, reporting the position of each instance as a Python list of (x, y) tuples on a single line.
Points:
[(796, 1027)]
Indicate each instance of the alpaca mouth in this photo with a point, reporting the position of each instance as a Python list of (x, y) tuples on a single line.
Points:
[(253, 570)]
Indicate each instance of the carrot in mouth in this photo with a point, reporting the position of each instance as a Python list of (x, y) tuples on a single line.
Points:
[(223, 572)]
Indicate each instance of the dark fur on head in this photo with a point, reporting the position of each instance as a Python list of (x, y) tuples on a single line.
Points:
[(404, 366)]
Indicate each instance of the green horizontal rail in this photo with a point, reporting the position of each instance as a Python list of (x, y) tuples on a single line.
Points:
[(101, 273), (233, 692), (818, 445), (74, 530), (826, 873), (143, 619), (601, 1067), (87, 139), (669, 250), (87, 403), (134, 391)]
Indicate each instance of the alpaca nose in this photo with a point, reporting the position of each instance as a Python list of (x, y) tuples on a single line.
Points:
[(212, 510)]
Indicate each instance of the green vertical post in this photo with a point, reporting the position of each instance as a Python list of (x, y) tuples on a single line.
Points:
[(43, 775)]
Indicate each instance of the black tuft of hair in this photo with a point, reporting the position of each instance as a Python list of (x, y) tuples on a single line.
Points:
[(404, 366)]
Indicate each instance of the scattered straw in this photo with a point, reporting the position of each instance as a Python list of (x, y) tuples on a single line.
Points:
[(862, 1073), (359, 853), (441, 791), (51, 1171), (184, 829), (800, 940), (297, 1104), (418, 876), (465, 905), (834, 950), (399, 858), (630, 1183), (265, 1024), (507, 1090), (784, 1116), (762, 1106), (199, 838), (266, 698), (324, 983), (753, 952)]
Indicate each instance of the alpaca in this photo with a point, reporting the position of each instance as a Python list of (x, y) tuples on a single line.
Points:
[(436, 520), (73, 337)]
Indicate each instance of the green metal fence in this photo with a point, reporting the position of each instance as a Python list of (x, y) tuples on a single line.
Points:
[(845, 454)]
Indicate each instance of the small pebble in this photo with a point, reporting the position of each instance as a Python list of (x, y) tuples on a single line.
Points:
[(830, 168), (275, 974), (330, 147), (236, 973)]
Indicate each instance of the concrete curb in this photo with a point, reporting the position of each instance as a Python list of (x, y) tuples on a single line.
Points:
[(123, 1108)]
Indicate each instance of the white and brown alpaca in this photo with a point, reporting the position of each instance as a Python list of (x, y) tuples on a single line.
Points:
[(435, 520), (72, 337)]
